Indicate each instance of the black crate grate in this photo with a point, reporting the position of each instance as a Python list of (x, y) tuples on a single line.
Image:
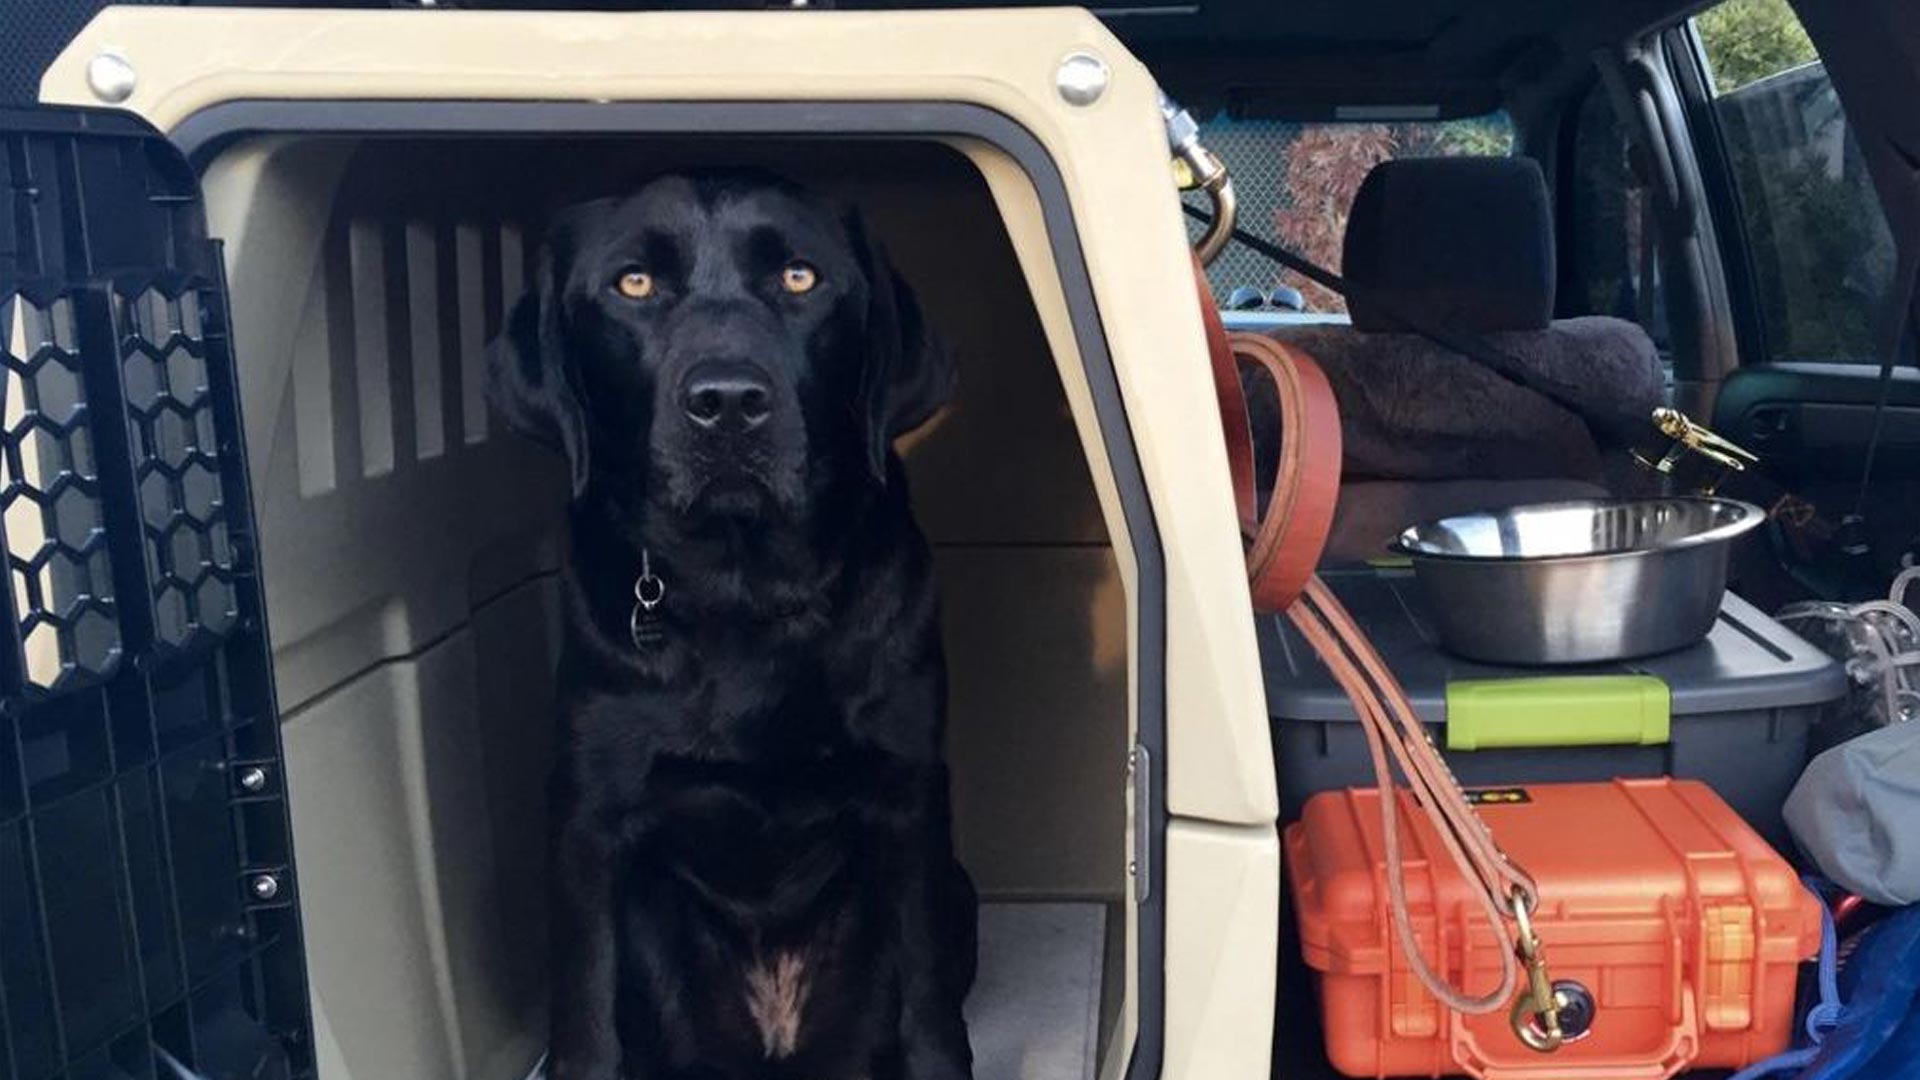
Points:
[(50, 503), (148, 899), (164, 351)]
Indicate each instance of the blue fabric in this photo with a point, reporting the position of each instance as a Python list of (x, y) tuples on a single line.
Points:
[(1875, 1035), (1878, 1036), (1825, 1014)]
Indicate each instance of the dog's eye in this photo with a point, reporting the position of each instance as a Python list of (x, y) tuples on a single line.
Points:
[(634, 283), (798, 277)]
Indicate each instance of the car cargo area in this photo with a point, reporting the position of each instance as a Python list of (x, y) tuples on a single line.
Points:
[(411, 553), (1503, 405)]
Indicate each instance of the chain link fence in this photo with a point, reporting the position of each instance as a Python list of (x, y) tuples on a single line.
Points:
[(1296, 181)]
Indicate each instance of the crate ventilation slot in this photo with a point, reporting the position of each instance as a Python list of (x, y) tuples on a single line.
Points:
[(177, 463), (62, 592)]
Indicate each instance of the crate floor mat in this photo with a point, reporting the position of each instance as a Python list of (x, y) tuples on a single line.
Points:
[(1034, 1013)]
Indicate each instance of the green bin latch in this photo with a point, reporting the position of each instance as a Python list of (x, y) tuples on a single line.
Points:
[(1565, 710)]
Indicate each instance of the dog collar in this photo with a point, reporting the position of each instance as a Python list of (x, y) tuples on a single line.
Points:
[(643, 624)]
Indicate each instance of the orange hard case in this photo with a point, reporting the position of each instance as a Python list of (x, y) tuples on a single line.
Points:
[(1683, 924)]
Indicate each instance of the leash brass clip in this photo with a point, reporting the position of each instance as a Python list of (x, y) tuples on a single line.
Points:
[(1536, 1012), (1722, 455), (1196, 168)]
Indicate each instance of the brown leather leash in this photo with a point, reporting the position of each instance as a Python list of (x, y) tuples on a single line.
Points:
[(1284, 544)]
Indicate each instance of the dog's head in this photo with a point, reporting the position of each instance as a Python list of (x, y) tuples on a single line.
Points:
[(723, 339)]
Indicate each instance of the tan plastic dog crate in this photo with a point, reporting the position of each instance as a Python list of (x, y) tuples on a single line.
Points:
[(377, 178)]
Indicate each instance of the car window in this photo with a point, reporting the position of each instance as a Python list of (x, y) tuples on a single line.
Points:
[(1296, 182), (1611, 249), (1820, 251)]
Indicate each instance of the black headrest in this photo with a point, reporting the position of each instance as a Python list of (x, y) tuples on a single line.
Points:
[(1462, 243)]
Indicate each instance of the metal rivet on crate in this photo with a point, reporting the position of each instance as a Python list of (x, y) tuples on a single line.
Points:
[(253, 778), (1082, 78), (264, 887), (111, 77)]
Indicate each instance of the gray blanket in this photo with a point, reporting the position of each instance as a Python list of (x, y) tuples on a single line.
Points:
[(1413, 410)]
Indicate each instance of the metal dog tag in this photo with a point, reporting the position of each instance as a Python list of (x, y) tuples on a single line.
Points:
[(644, 625)]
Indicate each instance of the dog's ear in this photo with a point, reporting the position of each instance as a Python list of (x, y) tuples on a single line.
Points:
[(909, 374), (532, 380)]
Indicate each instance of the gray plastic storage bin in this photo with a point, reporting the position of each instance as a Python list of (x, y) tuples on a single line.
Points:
[(1743, 703)]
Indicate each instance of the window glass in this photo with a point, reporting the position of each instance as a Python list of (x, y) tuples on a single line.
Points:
[(1820, 250), (1611, 252), (1296, 182)]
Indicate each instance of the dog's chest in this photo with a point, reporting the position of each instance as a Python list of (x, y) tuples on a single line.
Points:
[(765, 839)]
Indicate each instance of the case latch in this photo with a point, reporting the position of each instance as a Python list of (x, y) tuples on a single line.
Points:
[(1413, 1011), (1726, 990)]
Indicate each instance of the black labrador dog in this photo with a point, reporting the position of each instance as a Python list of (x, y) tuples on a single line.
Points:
[(753, 873)]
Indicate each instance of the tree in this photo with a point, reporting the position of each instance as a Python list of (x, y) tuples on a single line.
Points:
[(1325, 164), (1748, 40)]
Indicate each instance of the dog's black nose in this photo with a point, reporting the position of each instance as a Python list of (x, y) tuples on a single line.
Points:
[(727, 396)]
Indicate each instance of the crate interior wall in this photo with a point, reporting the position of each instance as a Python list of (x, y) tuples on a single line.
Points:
[(147, 903), (411, 552)]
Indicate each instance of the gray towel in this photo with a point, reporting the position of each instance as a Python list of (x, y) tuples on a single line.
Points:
[(1413, 410)]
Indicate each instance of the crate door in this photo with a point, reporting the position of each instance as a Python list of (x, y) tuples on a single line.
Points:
[(148, 925)]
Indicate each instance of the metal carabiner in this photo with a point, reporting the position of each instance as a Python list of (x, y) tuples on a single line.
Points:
[(1536, 1012), (1197, 168)]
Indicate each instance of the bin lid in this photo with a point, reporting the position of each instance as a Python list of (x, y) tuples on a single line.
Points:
[(1748, 660)]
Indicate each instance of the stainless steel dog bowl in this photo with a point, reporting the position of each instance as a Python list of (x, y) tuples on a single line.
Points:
[(1577, 582)]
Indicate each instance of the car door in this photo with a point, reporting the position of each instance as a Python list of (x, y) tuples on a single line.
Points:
[(148, 924), (1802, 150)]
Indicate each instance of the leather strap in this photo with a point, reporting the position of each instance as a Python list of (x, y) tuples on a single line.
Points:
[(1394, 731), (1234, 425), (1284, 544), (1288, 538)]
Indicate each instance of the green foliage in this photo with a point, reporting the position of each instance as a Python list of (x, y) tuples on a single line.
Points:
[(1820, 254), (1747, 40), (1480, 136), (1819, 246)]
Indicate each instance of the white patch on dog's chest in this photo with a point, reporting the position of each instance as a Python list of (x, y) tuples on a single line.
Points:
[(776, 997)]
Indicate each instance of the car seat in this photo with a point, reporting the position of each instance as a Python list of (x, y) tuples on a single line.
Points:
[(1466, 244)]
